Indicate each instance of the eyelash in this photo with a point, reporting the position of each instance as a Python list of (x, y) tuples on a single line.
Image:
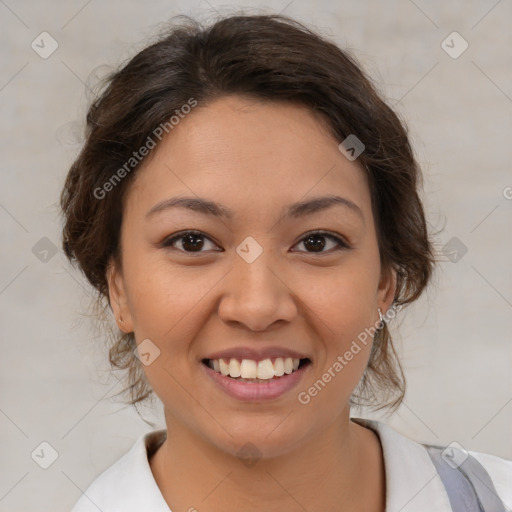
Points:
[(167, 243)]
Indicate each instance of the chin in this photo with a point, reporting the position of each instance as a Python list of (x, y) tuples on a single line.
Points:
[(263, 437)]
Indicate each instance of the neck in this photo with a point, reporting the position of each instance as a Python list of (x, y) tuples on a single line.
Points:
[(341, 466)]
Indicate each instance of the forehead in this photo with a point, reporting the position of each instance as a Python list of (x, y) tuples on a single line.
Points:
[(251, 154)]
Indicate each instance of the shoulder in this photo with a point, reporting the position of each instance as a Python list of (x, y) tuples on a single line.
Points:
[(500, 471), (128, 485), (410, 472)]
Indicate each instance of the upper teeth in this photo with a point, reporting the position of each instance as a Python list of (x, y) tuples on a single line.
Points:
[(250, 369)]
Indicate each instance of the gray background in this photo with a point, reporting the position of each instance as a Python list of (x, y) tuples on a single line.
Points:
[(454, 342)]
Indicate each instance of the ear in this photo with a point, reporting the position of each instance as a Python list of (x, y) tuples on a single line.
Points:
[(118, 296), (387, 288)]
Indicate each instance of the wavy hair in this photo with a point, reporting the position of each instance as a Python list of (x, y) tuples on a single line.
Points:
[(267, 57)]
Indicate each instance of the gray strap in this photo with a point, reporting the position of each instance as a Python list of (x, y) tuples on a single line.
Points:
[(469, 486)]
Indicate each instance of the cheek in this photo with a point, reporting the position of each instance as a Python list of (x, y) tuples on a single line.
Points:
[(161, 294), (343, 321), (171, 305), (167, 302), (343, 299), (344, 307)]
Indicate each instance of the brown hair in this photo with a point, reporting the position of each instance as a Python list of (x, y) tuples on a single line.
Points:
[(267, 57)]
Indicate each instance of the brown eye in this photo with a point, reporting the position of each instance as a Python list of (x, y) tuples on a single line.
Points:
[(194, 241), (191, 241), (316, 242)]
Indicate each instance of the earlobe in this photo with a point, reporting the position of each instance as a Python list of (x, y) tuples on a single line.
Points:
[(118, 298)]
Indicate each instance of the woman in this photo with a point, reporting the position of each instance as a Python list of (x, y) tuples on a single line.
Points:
[(247, 206)]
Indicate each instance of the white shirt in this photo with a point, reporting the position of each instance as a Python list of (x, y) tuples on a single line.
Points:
[(412, 482)]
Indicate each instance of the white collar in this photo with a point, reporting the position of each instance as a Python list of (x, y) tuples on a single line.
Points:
[(412, 484)]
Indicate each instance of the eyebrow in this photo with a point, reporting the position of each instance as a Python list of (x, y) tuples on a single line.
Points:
[(295, 210)]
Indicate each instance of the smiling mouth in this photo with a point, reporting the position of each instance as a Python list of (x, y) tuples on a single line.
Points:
[(249, 370)]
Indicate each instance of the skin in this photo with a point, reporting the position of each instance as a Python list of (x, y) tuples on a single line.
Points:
[(255, 158)]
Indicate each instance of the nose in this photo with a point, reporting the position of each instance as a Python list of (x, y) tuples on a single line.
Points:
[(256, 295)]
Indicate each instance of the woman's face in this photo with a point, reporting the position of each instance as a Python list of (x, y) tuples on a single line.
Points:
[(252, 283)]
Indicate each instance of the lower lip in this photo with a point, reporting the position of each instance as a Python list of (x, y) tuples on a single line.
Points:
[(256, 391)]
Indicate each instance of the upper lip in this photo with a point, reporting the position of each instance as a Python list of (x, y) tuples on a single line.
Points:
[(256, 354)]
